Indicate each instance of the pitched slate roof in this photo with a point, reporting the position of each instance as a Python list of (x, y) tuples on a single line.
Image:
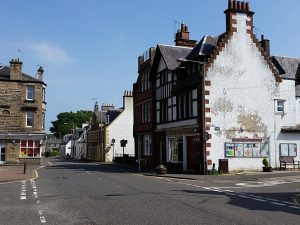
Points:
[(111, 113), (171, 54), (288, 68), (205, 47), (5, 75)]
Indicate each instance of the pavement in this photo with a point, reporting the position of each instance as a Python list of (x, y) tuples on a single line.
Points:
[(15, 172), (236, 175)]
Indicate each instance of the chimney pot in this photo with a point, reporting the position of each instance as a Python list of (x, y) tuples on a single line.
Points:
[(243, 6), (40, 73), (230, 4), (247, 6), (238, 5), (234, 4)]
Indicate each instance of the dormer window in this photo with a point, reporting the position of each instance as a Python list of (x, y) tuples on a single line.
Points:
[(107, 119), (30, 93)]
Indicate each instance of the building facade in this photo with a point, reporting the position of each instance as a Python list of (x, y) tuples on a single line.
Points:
[(22, 110), (108, 127), (143, 100), (225, 99)]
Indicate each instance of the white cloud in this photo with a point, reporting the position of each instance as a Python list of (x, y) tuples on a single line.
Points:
[(49, 53)]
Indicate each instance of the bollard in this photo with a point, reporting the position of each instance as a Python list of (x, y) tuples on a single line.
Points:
[(25, 167), (213, 169)]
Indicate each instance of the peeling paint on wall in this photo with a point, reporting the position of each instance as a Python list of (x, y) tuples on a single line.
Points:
[(221, 105), (251, 122)]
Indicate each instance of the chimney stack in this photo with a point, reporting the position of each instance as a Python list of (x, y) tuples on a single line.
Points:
[(40, 73), (235, 7), (265, 44), (182, 37), (15, 69)]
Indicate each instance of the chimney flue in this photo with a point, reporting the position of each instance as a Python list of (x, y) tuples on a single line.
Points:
[(40, 73), (15, 69)]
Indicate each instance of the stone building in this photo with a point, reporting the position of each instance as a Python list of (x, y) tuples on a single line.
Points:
[(22, 114)]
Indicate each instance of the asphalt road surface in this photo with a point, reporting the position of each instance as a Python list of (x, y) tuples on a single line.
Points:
[(88, 194)]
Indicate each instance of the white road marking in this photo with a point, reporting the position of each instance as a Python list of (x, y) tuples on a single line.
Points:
[(85, 171), (23, 190), (276, 203), (259, 199), (35, 195)]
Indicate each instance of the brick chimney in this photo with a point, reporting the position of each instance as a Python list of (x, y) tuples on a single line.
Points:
[(182, 37), (265, 44), (235, 7), (40, 73), (15, 69)]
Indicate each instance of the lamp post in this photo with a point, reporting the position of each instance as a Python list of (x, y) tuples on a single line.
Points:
[(203, 134), (113, 146)]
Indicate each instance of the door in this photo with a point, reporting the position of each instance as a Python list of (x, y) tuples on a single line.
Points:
[(193, 153), (2, 155)]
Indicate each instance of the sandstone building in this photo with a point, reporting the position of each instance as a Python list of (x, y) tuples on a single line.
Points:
[(22, 114)]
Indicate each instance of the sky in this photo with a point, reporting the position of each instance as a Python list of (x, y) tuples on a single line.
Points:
[(89, 48)]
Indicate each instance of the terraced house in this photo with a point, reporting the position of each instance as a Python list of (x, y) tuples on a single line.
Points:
[(225, 100), (22, 114)]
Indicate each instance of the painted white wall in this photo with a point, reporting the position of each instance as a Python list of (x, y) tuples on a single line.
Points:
[(65, 149), (121, 128), (241, 96), (297, 106)]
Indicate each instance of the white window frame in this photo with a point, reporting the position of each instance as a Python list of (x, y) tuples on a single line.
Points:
[(27, 117), (277, 110), (107, 119), (30, 89), (147, 145), (173, 150)]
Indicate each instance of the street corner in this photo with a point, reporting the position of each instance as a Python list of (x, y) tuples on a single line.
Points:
[(12, 174)]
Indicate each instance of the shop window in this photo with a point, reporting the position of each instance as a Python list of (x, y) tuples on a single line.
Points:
[(30, 149), (288, 150)]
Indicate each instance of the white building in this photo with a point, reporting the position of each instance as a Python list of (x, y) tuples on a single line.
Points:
[(78, 143), (250, 99), (65, 147), (120, 128), (111, 125)]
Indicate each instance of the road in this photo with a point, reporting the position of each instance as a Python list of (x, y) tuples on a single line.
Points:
[(88, 194)]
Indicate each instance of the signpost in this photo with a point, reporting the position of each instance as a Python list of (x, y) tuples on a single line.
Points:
[(123, 145)]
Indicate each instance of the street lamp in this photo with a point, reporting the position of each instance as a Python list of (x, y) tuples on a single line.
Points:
[(204, 134), (113, 145)]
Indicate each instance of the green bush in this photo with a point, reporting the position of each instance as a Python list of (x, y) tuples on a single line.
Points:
[(265, 162), (54, 153)]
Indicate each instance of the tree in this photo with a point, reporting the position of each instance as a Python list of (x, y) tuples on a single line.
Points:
[(66, 121)]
